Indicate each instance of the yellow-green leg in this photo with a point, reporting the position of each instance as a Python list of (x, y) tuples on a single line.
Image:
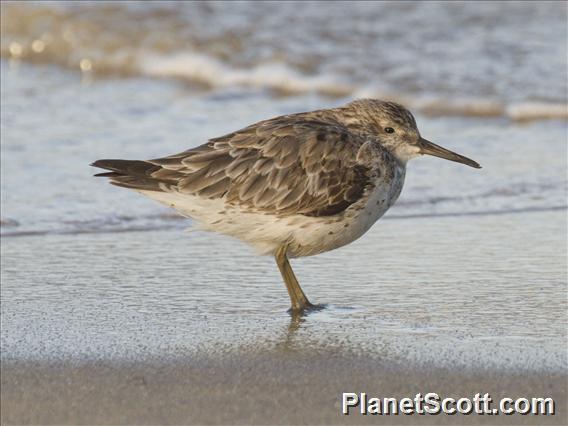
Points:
[(299, 300)]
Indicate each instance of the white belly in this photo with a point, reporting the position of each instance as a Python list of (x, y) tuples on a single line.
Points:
[(305, 235)]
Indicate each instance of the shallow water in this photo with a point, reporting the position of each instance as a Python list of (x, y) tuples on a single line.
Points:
[(468, 268)]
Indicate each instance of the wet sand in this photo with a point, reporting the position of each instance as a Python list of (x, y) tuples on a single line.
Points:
[(285, 387), (165, 328)]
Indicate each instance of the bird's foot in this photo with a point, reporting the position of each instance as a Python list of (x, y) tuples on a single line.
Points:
[(305, 309)]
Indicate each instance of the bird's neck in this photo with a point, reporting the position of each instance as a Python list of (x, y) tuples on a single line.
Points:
[(404, 153)]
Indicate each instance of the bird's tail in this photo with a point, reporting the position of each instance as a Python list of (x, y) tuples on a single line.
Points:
[(132, 174)]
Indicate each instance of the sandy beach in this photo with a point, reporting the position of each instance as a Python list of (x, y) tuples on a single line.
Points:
[(285, 387)]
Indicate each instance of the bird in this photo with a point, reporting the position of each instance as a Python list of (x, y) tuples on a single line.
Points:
[(291, 186)]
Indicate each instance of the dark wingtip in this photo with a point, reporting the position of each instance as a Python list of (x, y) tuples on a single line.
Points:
[(99, 163), (132, 174), (102, 165), (107, 165)]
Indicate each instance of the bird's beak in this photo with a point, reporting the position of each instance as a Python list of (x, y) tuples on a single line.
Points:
[(429, 148)]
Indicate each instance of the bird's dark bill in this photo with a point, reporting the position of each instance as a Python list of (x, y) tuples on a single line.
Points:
[(429, 148)]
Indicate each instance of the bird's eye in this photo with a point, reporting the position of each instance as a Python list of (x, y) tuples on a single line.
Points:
[(389, 130)]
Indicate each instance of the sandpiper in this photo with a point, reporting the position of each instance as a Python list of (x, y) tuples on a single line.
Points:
[(291, 186)]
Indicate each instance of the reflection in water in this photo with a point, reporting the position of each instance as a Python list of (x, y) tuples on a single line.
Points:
[(299, 320), (296, 321)]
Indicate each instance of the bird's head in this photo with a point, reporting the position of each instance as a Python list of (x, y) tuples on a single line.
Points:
[(395, 128)]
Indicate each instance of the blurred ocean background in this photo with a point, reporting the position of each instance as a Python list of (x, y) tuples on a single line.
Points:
[(465, 260), (84, 80)]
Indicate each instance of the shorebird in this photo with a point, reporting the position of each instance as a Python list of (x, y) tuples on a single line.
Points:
[(291, 186)]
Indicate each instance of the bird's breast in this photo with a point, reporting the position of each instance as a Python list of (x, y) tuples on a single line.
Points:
[(387, 188), (328, 233)]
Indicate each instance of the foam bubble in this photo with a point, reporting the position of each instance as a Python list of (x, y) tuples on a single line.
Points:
[(211, 72)]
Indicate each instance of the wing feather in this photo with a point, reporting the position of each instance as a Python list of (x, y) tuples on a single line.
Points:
[(287, 165)]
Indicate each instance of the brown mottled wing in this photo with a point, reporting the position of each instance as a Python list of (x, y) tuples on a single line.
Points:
[(280, 166)]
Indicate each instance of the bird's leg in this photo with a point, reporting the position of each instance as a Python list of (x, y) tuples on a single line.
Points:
[(299, 300)]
